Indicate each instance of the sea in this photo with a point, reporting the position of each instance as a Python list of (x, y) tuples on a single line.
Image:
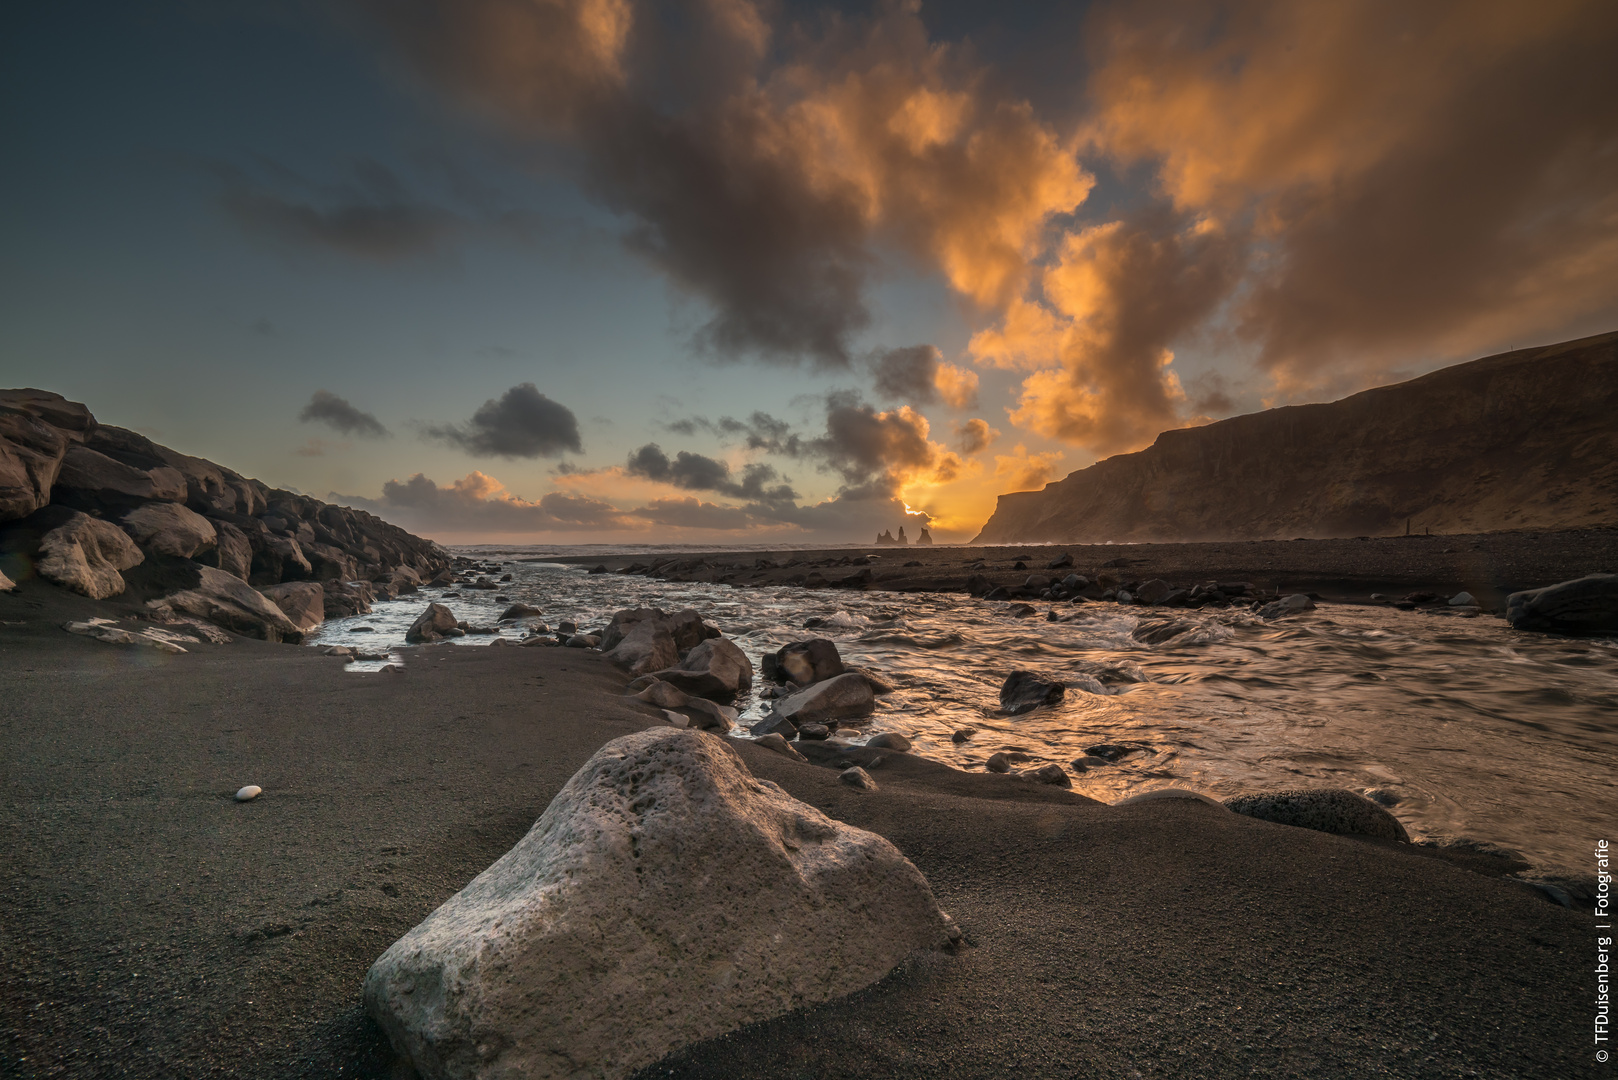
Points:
[(1469, 732)]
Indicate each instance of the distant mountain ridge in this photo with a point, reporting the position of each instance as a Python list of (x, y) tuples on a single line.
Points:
[(1524, 439)]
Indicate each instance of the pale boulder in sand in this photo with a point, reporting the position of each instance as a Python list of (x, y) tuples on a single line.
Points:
[(85, 554), (666, 896)]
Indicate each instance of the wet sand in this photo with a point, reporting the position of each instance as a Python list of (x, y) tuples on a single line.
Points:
[(155, 928), (1488, 565)]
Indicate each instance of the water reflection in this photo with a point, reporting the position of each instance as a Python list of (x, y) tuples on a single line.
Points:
[(1475, 730)]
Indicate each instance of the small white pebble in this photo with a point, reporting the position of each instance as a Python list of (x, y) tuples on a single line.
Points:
[(249, 793)]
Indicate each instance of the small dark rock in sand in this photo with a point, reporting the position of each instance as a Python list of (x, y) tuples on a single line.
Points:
[(1330, 810), (857, 777), (1060, 562), (1023, 691), (1051, 774)]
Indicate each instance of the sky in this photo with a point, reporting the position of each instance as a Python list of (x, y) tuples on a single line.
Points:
[(573, 271)]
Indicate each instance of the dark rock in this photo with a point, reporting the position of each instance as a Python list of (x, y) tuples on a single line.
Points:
[(1061, 562), (1287, 605), (1587, 605), (1157, 631), (818, 732), (1024, 691), (963, 734), (839, 698), (1051, 774), (889, 740), (808, 662), (1153, 592), (519, 611), (1021, 611), (716, 668), (856, 777), (879, 685), (774, 723), (1330, 810), (432, 624), (1111, 751), (227, 601), (303, 603), (998, 763), (774, 741)]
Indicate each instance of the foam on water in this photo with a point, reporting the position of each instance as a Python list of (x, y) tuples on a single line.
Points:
[(1476, 730)]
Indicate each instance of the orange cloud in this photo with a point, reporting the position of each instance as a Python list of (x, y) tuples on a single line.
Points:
[(1024, 471)]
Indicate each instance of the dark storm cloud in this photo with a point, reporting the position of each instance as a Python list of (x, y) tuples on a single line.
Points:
[(696, 472), (371, 215), (521, 423), (337, 413), (760, 169), (907, 374)]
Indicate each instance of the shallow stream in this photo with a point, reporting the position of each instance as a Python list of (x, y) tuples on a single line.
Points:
[(1462, 726)]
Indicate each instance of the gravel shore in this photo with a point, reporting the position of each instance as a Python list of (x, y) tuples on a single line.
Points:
[(1488, 565), (153, 927)]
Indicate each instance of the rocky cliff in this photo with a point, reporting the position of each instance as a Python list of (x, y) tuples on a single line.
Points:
[(1526, 439), (104, 511)]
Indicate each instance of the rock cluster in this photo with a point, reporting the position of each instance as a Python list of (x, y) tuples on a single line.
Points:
[(83, 504), (665, 896), (1587, 605)]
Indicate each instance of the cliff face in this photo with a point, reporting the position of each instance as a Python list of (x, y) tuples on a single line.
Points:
[(1526, 439)]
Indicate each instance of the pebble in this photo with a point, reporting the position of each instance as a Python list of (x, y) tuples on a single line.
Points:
[(249, 793)]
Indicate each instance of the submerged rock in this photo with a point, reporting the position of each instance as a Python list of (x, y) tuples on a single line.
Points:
[(645, 911), (1287, 605), (1586, 605), (1330, 810), (1024, 691), (889, 740)]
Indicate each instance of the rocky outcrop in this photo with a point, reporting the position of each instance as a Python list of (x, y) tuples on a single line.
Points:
[(1525, 439), (85, 554), (1587, 605), (664, 897), (227, 601), (57, 461)]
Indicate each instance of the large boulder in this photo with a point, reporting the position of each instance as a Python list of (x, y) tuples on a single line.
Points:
[(842, 697), (647, 647), (85, 554), (1024, 691), (432, 625), (232, 553), (277, 559), (622, 622), (226, 600), (1330, 810), (30, 455), (89, 478), (716, 668), (303, 602), (165, 528), (805, 662), (1586, 605), (665, 896)]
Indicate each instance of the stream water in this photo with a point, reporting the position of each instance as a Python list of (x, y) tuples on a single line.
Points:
[(1463, 727)]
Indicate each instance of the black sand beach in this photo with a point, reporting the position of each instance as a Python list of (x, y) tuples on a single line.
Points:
[(155, 928)]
